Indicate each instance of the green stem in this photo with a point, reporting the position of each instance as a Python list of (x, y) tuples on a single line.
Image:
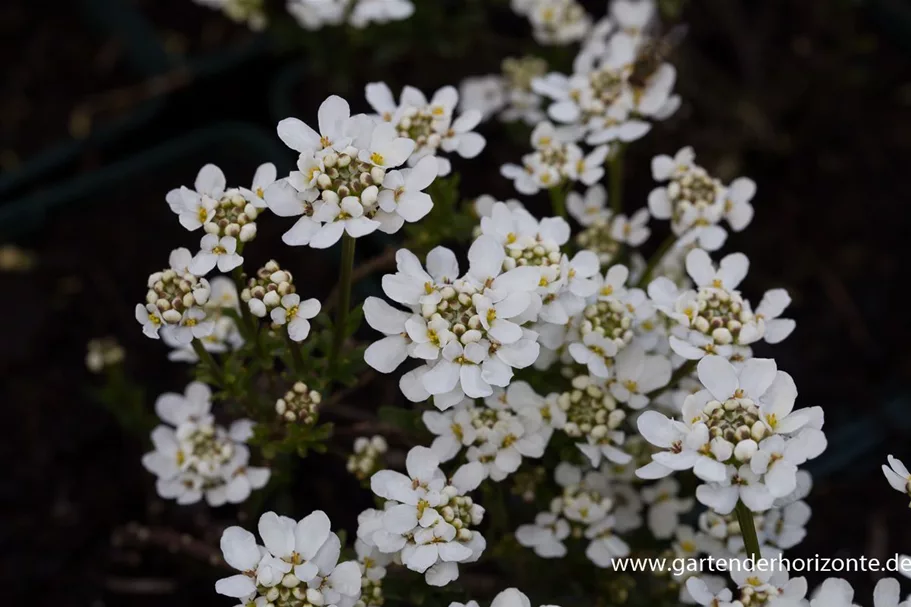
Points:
[(209, 361), (748, 530), (297, 358), (248, 324), (558, 200), (344, 301), (615, 169), (655, 260)]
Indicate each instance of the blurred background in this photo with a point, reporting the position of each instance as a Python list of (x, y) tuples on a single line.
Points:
[(108, 104)]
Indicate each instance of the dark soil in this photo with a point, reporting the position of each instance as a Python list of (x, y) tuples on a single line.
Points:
[(53, 66), (809, 99)]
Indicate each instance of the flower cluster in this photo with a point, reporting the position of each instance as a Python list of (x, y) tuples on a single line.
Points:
[(226, 215), (219, 309), (508, 96), (695, 202), (344, 183), (468, 330), (714, 318), (195, 458), (740, 435), (175, 299), (299, 404), (612, 94), (554, 22), (296, 567), (556, 160), (428, 521), (583, 510), (367, 456), (432, 125), (511, 597), (603, 231), (103, 352), (498, 433), (317, 14)]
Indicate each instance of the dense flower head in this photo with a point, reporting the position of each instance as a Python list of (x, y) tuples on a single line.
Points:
[(696, 203), (498, 433), (299, 404), (428, 520), (297, 565), (264, 290), (367, 456), (741, 435), (511, 597), (609, 95), (714, 318), (175, 298), (555, 22), (509, 95), (582, 511), (219, 309), (556, 160), (469, 331), (344, 182), (196, 458), (432, 125)]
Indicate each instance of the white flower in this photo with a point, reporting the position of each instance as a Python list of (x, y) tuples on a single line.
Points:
[(596, 352), (692, 197), (300, 555), (196, 208), (335, 125), (454, 429), (637, 374), (555, 22), (591, 208), (770, 307), (149, 316), (296, 314), (715, 317), (264, 177), (605, 546), (432, 125), (483, 94), (545, 536), (483, 310), (174, 298), (702, 595), (403, 199), (427, 519), (786, 527), (834, 592), (193, 458), (214, 250), (665, 507), (737, 208), (897, 475), (633, 230)]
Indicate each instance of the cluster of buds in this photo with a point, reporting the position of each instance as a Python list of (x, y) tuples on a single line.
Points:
[(175, 298), (344, 180), (264, 291), (721, 314), (234, 216), (299, 404), (610, 318), (103, 352), (591, 411), (555, 21), (367, 457), (598, 239)]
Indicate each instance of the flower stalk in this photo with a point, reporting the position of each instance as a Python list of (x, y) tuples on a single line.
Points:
[(209, 362), (344, 302), (558, 200), (748, 530), (615, 170)]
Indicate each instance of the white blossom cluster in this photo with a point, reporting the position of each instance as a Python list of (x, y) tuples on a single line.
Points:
[(174, 301), (225, 335), (428, 521), (509, 95), (608, 96), (344, 182), (432, 125), (740, 435), (317, 14), (603, 231), (557, 160), (226, 215), (195, 458), (367, 456), (554, 22), (696, 203), (774, 588), (297, 565), (582, 511), (498, 433)]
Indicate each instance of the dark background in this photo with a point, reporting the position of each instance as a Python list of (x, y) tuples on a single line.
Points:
[(108, 104)]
